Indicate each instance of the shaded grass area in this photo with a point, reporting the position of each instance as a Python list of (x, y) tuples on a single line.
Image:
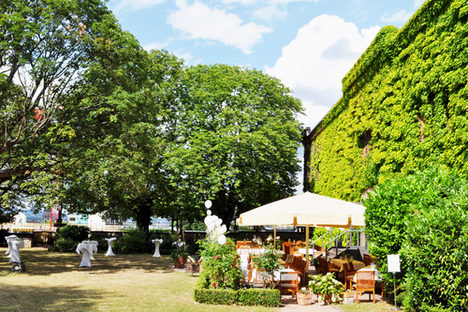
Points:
[(53, 282)]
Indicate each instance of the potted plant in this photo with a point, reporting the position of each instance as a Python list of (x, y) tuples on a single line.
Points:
[(305, 296), (327, 288), (179, 255), (268, 262)]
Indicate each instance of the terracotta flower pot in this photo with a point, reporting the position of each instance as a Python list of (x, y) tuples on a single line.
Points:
[(180, 262), (305, 299)]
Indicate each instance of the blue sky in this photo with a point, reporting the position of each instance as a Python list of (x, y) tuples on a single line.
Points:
[(309, 44)]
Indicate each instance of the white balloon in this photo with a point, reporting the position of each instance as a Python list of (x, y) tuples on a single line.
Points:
[(208, 204), (222, 239)]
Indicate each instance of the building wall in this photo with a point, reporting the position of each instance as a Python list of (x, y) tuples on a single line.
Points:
[(404, 106)]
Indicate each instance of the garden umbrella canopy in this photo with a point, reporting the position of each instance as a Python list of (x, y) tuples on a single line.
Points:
[(306, 209)]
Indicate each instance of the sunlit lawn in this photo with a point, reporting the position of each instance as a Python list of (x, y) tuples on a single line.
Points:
[(53, 282)]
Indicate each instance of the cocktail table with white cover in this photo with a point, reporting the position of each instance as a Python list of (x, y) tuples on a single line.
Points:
[(157, 243), (15, 244), (110, 241), (8, 238), (86, 248)]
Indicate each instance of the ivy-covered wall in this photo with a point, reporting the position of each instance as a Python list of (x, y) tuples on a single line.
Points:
[(404, 106)]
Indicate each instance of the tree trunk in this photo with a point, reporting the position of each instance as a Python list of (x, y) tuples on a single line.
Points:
[(143, 218)]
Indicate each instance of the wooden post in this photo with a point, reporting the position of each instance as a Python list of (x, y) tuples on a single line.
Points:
[(306, 273), (274, 236)]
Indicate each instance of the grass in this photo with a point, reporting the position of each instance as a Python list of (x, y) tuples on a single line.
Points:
[(53, 282)]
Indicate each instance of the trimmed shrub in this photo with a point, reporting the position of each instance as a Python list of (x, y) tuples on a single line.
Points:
[(247, 297), (261, 297), (215, 296)]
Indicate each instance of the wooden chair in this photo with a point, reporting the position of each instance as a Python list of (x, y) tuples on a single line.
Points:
[(348, 274), (323, 265), (365, 282), (289, 283), (286, 248)]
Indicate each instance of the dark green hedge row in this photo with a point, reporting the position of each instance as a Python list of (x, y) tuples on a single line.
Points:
[(404, 106), (247, 297)]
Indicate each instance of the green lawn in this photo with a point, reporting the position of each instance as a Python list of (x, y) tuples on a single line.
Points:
[(54, 282)]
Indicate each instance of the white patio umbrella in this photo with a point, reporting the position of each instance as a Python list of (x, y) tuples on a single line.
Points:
[(307, 210)]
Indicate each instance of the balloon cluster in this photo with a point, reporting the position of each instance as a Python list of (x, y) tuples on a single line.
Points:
[(214, 228)]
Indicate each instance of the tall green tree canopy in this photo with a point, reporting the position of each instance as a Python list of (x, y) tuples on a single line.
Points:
[(235, 138), (44, 47), (114, 164)]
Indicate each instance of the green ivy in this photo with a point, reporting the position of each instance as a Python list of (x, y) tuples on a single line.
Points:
[(404, 106)]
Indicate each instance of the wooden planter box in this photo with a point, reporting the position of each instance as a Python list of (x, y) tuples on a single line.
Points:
[(305, 299)]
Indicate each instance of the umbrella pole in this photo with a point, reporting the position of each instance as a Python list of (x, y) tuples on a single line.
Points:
[(306, 273), (274, 236)]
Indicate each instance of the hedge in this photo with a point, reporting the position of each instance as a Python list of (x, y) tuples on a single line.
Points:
[(403, 107), (424, 218), (246, 297)]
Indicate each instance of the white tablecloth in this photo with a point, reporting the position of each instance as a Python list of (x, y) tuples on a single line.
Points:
[(86, 248)]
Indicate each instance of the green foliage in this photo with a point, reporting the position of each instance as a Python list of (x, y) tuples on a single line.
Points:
[(407, 97), (423, 217), (236, 140), (65, 245), (220, 265), (132, 242), (325, 285), (247, 297), (69, 236), (436, 249), (268, 261), (76, 233)]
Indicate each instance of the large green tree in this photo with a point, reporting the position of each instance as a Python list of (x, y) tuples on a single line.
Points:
[(44, 46), (114, 164), (235, 138)]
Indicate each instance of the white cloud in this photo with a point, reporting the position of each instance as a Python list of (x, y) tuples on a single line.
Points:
[(269, 13), (271, 2), (399, 17), (202, 22), (418, 3), (314, 63), (135, 5)]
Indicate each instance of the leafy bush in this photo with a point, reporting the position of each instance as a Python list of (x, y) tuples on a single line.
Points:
[(247, 297), (65, 245), (76, 233), (436, 250), (68, 237), (220, 267), (423, 218), (131, 243)]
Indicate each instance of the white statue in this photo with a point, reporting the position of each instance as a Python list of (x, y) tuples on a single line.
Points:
[(110, 241)]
